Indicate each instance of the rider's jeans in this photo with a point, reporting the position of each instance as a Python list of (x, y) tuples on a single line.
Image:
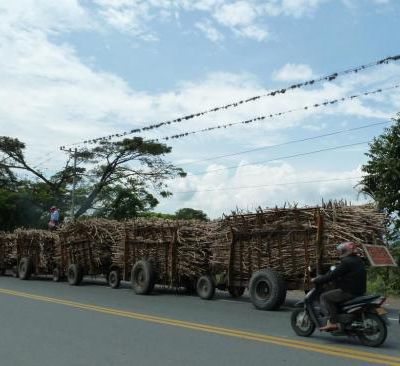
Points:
[(331, 299)]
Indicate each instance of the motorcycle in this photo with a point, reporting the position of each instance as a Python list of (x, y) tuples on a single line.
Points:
[(362, 317)]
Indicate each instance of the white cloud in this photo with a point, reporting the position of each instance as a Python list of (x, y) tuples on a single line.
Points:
[(211, 32), (262, 185), (299, 8), (45, 15), (245, 19), (252, 32), (293, 72), (240, 13), (50, 98)]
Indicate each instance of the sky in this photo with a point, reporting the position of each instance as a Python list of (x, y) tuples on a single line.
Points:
[(74, 70)]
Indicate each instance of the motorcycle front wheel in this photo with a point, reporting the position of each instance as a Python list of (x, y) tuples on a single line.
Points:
[(302, 323), (374, 332)]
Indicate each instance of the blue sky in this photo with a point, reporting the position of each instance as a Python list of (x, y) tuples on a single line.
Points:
[(74, 70)]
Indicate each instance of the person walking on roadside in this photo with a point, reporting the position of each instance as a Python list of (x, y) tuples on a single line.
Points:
[(54, 218)]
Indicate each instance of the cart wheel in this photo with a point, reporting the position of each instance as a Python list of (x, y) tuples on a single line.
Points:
[(267, 290), (2, 272), (205, 287), (236, 291), (57, 275), (74, 274), (25, 268), (114, 278), (143, 277)]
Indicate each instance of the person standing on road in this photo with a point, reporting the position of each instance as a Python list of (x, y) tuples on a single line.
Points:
[(351, 281), (54, 218)]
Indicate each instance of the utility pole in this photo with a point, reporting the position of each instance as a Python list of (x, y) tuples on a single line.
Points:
[(73, 187), (75, 153)]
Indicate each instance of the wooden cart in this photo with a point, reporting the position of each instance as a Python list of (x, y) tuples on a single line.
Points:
[(87, 248), (269, 251), (162, 252), (35, 252)]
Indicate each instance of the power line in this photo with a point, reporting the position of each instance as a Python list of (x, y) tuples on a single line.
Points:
[(279, 114), (42, 162), (281, 158), (268, 185), (286, 143), (329, 78)]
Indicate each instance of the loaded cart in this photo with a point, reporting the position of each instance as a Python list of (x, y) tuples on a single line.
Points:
[(162, 252), (88, 246), (35, 252), (269, 251), (143, 251), (8, 258)]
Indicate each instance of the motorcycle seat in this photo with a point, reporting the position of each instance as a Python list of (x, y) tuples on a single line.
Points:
[(360, 299)]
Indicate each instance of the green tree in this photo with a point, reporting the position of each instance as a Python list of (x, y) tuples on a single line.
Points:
[(119, 202), (191, 214), (121, 171), (382, 183), (382, 171)]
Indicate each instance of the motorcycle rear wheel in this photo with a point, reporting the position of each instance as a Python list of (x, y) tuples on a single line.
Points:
[(302, 323), (375, 332)]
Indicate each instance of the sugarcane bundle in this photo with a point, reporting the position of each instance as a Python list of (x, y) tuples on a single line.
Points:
[(359, 224), (153, 240), (40, 245), (10, 249), (288, 240), (2, 252), (90, 243), (194, 247)]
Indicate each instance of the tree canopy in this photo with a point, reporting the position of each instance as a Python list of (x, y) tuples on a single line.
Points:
[(191, 214), (113, 179), (382, 178)]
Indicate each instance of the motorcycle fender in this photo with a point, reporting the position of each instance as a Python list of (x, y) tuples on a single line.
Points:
[(352, 310)]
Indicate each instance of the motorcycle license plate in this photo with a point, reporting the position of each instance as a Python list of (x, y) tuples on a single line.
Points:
[(381, 311)]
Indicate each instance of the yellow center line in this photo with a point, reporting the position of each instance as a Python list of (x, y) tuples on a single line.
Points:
[(307, 346)]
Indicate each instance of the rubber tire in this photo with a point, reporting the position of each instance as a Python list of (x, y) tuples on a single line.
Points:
[(299, 331), (205, 287), (57, 277), (383, 330), (276, 287), (114, 278), (25, 268), (142, 277), (74, 274), (2, 272), (236, 291)]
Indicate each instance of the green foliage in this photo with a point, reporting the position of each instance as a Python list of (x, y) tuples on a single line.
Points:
[(112, 180), (382, 179), (182, 214), (120, 203), (157, 215), (191, 214), (17, 210)]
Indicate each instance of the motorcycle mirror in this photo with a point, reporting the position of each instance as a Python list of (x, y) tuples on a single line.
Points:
[(332, 268)]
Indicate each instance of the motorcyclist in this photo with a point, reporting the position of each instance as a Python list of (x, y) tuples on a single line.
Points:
[(351, 281)]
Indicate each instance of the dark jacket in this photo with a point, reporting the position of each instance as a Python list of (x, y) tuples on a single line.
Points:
[(350, 276)]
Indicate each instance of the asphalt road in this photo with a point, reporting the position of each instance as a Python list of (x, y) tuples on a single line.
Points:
[(45, 323)]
